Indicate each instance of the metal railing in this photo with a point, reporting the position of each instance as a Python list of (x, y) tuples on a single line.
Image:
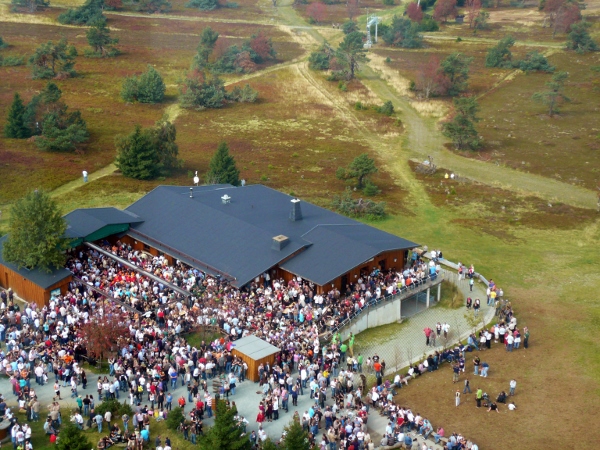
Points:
[(402, 292), (131, 265)]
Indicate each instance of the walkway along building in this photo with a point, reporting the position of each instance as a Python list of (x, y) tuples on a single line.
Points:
[(237, 233)]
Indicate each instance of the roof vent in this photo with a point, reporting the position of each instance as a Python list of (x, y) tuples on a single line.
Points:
[(296, 212), (226, 199), (279, 242)]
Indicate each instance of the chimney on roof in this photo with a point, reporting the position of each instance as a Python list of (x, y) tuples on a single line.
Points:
[(279, 242), (296, 212)]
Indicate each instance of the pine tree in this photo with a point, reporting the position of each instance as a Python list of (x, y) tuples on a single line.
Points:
[(208, 39), (98, 37), (35, 233), (15, 127), (360, 168), (50, 60), (555, 93), (72, 438), (88, 13), (151, 87), (225, 434), (164, 135), (222, 167), (456, 68), (579, 38), (461, 129), (296, 438), (136, 155), (147, 88)]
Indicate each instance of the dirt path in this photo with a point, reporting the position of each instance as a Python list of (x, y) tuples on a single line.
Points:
[(423, 139), (75, 184)]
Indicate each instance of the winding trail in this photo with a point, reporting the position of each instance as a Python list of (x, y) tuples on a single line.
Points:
[(424, 139)]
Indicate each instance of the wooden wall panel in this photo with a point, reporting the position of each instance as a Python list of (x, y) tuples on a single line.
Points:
[(28, 290)]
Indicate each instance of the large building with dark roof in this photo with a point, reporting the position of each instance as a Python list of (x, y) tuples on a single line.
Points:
[(241, 233)]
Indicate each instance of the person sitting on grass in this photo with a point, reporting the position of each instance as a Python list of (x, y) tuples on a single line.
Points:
[(493, 407), (501, 397), (512, 406)]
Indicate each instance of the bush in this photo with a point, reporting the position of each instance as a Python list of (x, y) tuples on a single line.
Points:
[(318, 61), (349, 27), (147, 88), (535, 62), (90, 12), (348, 206), (342, 86), (115, 407), (403, 33), (428, 24), (243, 95), (359, 106), (204, 5), (200, 93), (11, 61), (500, 55), (175, 418), (387, 108), (3, 44), (389, 2), (370, 189)]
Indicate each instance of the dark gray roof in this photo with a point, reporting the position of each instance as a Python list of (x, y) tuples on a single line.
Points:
[(337, 248), (83, 222), (36, 276), (236, 238), (254, 347)]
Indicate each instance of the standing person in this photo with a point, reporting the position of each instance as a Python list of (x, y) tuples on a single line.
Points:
[(471, 283), (476, 306), (513, 386), (457, 398), (478, 397), (456, 371), (476, 363), (427, 332), (351, 344), (446, 329), (526, 337), (438, 329), (467, 387)]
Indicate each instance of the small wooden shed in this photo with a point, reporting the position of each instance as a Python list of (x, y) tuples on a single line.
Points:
[(254, 351)]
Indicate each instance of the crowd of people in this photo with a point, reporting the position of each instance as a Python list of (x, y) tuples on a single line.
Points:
[(48, 341), (155, 356)]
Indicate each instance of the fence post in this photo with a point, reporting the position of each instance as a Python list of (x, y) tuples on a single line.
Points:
[(399, 308), (427, 301), (439, 292)]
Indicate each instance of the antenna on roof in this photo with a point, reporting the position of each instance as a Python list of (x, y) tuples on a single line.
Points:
[(191, 193)]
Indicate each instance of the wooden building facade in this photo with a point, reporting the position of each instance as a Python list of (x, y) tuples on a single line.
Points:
[(33, 285)]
